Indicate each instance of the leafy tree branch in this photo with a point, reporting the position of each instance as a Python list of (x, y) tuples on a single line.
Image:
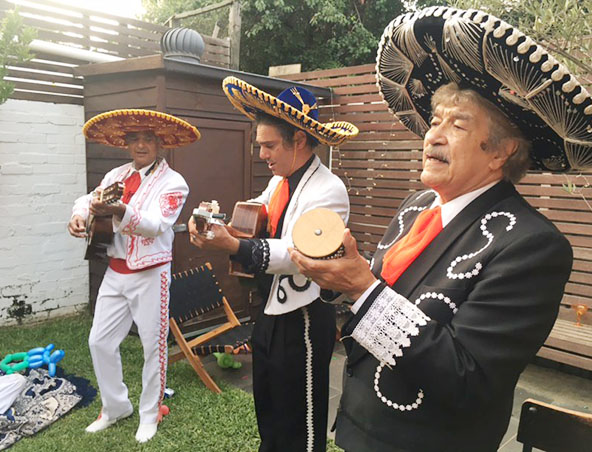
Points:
[(14, 48)]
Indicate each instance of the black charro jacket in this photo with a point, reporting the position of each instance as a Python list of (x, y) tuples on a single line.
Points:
[(455, 331)]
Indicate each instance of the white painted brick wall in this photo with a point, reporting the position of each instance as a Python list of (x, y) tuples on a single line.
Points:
[(42, 172)]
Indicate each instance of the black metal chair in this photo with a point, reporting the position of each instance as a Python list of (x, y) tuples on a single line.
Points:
[(554, 429), (194, 293)]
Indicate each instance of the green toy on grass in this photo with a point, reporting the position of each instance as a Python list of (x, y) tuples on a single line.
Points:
[(226, 361), (14, 362)]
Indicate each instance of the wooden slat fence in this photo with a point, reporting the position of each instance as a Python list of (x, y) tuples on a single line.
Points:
[(382, 166), (50, 78)]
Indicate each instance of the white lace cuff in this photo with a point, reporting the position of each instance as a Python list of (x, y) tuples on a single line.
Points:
[(385, 329)]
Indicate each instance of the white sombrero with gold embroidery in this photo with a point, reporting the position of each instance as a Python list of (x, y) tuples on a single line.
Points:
[(111, 127), (421, 51), (296, 105)]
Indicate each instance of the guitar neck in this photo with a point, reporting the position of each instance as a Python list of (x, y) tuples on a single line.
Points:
[(109, 195)]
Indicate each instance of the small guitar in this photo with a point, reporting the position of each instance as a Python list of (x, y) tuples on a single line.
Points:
[(249, 220), (99, 230), (206, 215)]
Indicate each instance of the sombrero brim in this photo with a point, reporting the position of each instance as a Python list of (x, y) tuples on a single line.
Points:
[(249, 100), (421, 51), (111, 127)]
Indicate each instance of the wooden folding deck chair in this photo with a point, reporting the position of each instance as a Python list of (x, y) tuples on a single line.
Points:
[(553, 429), (193, 293)]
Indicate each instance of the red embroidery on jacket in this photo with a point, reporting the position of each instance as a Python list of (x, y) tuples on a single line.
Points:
[(145, 189), (134, 260), (133, 222), (147, 241), (164, 331), (170, 203)]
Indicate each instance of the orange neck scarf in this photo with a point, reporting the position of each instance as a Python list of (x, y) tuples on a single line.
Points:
[(402, 254), (277, 205)]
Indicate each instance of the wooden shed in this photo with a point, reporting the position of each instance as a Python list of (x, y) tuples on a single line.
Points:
[(223, 165)]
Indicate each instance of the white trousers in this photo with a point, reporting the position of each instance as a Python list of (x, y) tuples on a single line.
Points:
[(144, 298), (10, 388)]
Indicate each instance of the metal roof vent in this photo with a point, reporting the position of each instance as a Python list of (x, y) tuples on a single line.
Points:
[(183, 44)]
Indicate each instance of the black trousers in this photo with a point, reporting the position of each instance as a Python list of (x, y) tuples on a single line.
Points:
[(291, 357)]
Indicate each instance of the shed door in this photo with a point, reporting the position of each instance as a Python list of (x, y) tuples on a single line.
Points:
[(218, 167)]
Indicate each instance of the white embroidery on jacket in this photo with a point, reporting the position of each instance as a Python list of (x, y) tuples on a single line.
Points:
[(385, 329), (437, 296), (478, 266), (400, 220), (394, 405)]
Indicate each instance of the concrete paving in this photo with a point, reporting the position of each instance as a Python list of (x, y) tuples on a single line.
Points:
[(542, 383)]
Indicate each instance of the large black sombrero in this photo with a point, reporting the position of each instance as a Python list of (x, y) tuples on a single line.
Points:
[(421, 51), (296, 105), (111, 127)]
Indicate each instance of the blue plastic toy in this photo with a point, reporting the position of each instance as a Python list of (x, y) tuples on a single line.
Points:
[(40, 356), (34, 358)]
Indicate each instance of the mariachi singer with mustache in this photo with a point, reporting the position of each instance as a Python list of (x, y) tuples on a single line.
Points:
[(466, 282)]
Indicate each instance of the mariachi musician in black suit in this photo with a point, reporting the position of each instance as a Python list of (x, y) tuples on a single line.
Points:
[(466, 283)]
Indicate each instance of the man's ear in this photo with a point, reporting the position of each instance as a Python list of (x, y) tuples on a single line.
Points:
[(504, 151), (299, 139)]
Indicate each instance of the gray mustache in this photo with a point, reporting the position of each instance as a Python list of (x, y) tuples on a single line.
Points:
[(437, 154)]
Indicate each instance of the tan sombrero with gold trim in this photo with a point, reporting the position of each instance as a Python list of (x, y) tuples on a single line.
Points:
[(111, 127), (295, 105)]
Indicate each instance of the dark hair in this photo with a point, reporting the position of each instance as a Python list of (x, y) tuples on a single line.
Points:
[(285, 129), (500, 128)]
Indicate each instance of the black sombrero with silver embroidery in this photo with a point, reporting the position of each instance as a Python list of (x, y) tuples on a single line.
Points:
[(421, 51)]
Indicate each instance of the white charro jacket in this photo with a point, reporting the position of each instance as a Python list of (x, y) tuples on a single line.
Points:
[(318, 187), (146, 227)]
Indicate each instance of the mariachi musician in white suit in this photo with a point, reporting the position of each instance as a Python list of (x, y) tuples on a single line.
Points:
[(466, 282), (136, 284), (293, 337)]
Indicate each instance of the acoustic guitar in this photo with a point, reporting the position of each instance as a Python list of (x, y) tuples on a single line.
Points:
[(99, 230)]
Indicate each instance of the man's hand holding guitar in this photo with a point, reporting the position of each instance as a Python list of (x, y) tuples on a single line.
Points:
[(77, 227), (220, 240), (97, 228), (99, 208), (208, 232)]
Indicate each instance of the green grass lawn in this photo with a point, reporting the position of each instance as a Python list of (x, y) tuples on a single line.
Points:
[(199, 420)]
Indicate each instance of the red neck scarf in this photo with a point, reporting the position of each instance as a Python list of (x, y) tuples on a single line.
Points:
[(132, 183)]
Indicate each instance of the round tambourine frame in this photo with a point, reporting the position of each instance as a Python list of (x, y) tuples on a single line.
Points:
[(318, 234)]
